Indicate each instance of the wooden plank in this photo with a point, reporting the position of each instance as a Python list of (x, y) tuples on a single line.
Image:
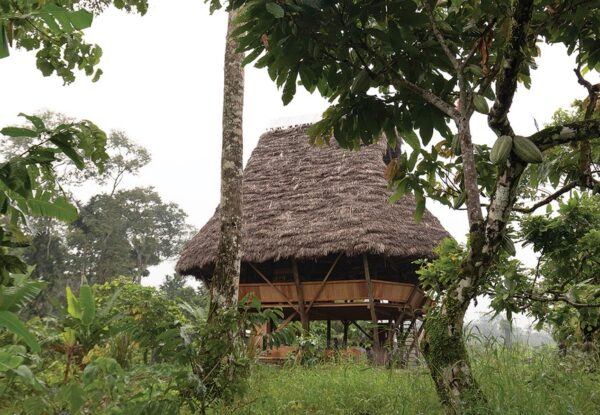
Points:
[(320, 290), (273, 286), (374, 320), (300, 296)]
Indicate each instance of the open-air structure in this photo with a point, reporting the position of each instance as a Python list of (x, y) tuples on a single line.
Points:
[(319, 237)]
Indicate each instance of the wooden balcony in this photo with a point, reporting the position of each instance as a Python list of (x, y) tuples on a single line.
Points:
[(338, 293)]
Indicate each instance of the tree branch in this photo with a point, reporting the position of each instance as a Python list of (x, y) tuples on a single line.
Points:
[(506, 85), (566, 133), (548, 199), (440, 38)]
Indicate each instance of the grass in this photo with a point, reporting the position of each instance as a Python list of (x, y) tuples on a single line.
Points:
[(520, 381)]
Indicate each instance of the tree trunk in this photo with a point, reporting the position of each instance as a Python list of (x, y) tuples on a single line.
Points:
[(445, 352), (225, 279)]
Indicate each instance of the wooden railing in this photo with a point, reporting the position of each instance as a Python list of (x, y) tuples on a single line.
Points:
[(347, 290)]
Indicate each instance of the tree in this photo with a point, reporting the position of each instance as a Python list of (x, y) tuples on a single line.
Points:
[(54, 30), (225, 278), (222, 350), (175, 288), (564, 288), (408, 65), (124, 234)]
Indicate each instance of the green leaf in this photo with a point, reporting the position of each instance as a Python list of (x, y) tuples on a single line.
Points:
[(73, 307), (11, 322), (411, 138), (18, 132), (59, 209), (70, 153), (4, 51), (37, 122), (88, 306), (81, 19), (52, 13), (27, 375), (74, 395), (275, 9), (15, 297), (9, 360)]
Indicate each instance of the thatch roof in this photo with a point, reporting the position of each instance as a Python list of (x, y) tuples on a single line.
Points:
[(307, 202)]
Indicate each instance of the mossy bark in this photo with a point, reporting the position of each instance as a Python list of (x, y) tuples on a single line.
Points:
[(445, 352)]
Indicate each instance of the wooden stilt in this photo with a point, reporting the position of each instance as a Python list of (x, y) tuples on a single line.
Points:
[(345, 338), (374, 320), (300, 296), (329, 334)]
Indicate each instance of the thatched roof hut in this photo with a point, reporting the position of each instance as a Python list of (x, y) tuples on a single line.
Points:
[(307, 202)]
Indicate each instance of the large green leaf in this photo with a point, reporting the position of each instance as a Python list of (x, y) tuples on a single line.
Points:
[(88, 307), (275, 9), (11, 322), (18, 132), (60, 209), (81, 19), (73, 306), (15, 297)]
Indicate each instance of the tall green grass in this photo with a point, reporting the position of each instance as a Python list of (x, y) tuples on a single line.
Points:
[(516, 381)]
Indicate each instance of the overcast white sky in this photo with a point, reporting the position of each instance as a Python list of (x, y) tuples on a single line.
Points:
[(162, 85)]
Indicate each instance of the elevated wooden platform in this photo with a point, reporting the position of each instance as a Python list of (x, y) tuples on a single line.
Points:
[(341, 300)]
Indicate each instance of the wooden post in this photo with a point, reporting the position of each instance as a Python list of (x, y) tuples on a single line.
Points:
[(374, 320), (300, 296), (329, 334), (345, 338)]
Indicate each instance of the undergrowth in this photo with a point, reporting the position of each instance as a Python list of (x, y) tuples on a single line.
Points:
[(516, 381)]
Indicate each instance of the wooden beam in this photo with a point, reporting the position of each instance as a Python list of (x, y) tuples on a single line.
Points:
[(300, 296), (273, 286), (374, 320), (285, 322), (363, 331), (322, 286)]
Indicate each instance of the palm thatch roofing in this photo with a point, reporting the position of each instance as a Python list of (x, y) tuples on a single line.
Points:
[(301, 201)]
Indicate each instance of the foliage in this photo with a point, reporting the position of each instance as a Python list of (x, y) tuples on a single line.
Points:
[(143, 313), (124, 234), (175, 288), (125, 157), (564, 289), (54, 29)]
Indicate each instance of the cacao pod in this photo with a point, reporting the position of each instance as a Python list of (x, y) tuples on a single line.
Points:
[(501, 149), (526, 150), (507, 244)]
